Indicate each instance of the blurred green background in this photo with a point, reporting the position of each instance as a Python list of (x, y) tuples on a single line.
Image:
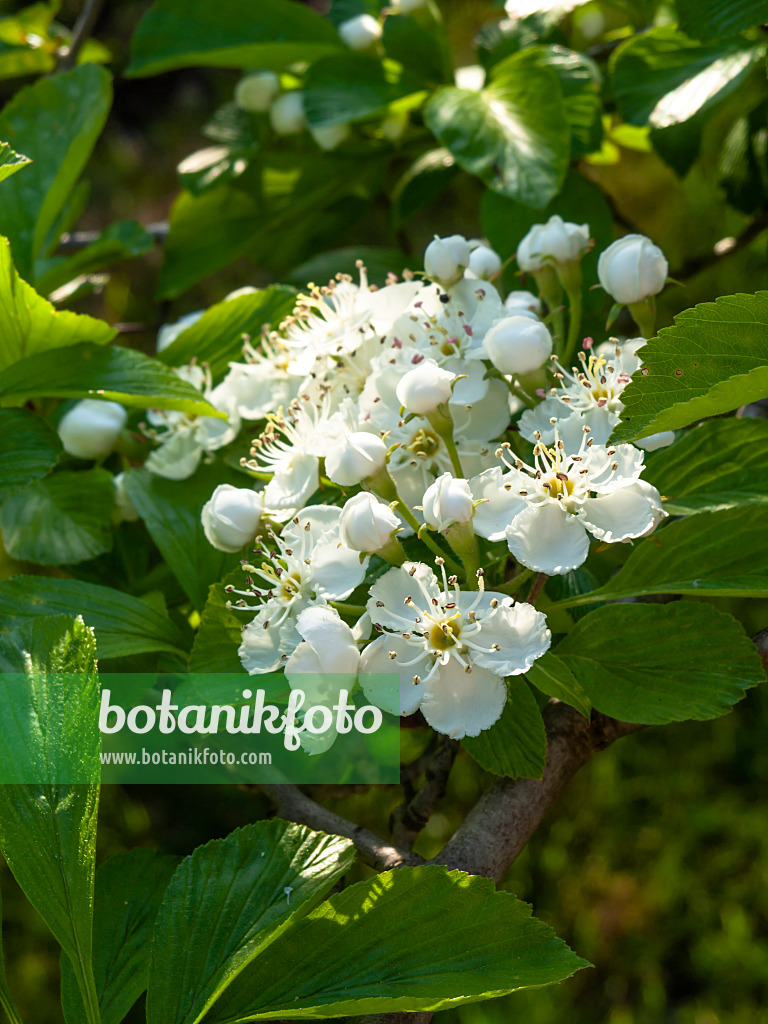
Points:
[(654, 864)]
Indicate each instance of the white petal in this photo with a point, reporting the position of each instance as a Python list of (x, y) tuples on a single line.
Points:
[(322, 520), (293, 483), (386, 604), (260, 648), (661, 440), (178, 458), (460, 703), (376, 668), (627, 459), (521, 633), (336, 570), (622, 514), (548, 539), (330, 638), (485, 419), (496, 512)]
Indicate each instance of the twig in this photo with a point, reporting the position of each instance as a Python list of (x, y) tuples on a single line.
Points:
[(293, 805), (411, 817), (73, 241), (725, 247), (506, 816), (82, 30), (536, 587)]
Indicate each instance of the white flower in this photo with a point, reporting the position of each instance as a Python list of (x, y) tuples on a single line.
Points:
[(484, 263), (306, 565), (451, 648), (256, 91), (563, 498), (90, 428), (446, 502), (425, 387), (355, 456), (329, 136), (632, 269), (261, 384), (557, 241), (523, 303), (360, 32), (367, 524), (123, 503), (654, 441), (170, 332), (287, 115), (231, 517), (184, 439), (446, 259), (518, 345), (471, 77)]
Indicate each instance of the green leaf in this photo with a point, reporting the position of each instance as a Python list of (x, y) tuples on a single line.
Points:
[(580, 82), (713, 360), (124, 625), (124, 240), (6, 999), (719, 554), (172, 516), (10, 162), (64, 519), (719, 464), (662, 78), (514, 134), (463, 942), (55, 122), (378, 260), (655, 664), (219, 633), (219, 33), (28, 450), (48, 826), (516, 745), (713, 19), (552, 676), (116, 373), (129, 891), (419, 43), (217, 337), (351, 86), (227, 903), (29, 325), (422, 183)]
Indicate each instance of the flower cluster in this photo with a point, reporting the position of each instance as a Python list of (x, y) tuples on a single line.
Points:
[(419, 451)]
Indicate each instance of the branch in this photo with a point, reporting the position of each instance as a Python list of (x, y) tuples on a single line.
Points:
[(506, 816), (293, 805), (411, 817), (725, 247), (74, 241), (83, 28)]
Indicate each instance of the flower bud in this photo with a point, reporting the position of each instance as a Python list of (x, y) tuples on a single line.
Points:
[(425, 387), (446, 259), (91, 428), (329, 136), (231, 517), (367, 524), (257, 91), (360, 32), (522, 303), (287, 113), (484, 263), (356, 456), (632, 269), (557, 241), (447, 501), (518, 345)]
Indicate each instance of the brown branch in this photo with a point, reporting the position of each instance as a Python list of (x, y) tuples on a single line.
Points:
[(84, 25), (411, 817), (506, 816), (294, 805), (725, 247)]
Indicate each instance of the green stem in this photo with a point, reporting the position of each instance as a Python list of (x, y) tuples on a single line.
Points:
[(9, 1006), (464, 542), (574, 327), (454, 455), (644, 315), (517, 389), (348, 609), (514, 584), (441, 422)]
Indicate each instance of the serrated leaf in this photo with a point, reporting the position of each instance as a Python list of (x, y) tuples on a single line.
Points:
[(580, 81), (713, 360), (10, 162), (655, 664), (227, 904), (712, 19), (50, 736), (464, 942), (129, 891), (28, 450), (172, 516), (55, 122), (61, 520), (516, 745), (219, 633), (219, 33), (115, 373), (551, 676), (719, 464), (718, 554), (29, 325), (351, 86), (124, 625), (217, 337), (514, 134)]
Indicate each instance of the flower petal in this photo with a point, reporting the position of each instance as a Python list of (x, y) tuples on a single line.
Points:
[(460, 703), (376, 668), (294, 482), (336, 570), (521, 633), (623, 514), (548, 539), (499, 506), (386, 604), (627, 459), (178, 458)]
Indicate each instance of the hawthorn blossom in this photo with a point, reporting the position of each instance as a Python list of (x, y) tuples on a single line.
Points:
[(452, 648)]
